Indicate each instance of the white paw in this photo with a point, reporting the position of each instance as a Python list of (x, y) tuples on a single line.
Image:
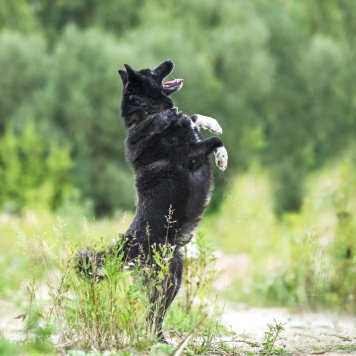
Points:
[(208, 123), (221, 158)]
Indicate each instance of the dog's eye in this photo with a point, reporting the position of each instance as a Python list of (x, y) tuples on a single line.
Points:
[(131, 97)]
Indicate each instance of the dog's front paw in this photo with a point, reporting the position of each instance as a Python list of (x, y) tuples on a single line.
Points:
[(221, 158), (208, 123)]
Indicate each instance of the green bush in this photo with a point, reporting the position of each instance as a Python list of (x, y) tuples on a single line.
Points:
[(34, 171)]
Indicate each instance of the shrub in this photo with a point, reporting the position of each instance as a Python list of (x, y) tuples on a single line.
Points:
[(34, 171)]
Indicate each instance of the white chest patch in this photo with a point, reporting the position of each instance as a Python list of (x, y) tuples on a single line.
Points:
[(194, 127)]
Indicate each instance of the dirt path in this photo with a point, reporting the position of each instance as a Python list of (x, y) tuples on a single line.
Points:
[(9, 326), (304, 334), (307, 333)]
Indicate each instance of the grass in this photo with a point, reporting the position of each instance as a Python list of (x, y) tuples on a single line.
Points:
[(301, 260), (66, 312), (24, 238), (347, 347)]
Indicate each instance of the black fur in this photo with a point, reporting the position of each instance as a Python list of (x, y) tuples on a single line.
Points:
[(173, 175)]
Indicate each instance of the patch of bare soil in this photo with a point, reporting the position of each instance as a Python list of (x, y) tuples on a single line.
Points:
[(10, 325), (304, 334)]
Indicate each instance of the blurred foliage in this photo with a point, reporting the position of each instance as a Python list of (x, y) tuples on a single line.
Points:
[(34, 171), (25, 66), (303, 260), (278, 76)]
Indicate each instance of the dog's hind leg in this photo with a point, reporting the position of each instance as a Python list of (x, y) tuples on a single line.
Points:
[(207, 123), (162, 295)]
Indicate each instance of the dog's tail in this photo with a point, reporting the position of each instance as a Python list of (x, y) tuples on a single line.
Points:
[(91, 264)]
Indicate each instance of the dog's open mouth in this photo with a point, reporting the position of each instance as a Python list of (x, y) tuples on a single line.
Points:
[(172, 86)]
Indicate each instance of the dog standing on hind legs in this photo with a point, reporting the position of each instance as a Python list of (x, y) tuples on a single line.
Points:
[(173, 177)]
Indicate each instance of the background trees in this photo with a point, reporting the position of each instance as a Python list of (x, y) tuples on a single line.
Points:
[(277, 75)]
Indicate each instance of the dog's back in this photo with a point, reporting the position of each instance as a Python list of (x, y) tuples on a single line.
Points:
[(170, 185)]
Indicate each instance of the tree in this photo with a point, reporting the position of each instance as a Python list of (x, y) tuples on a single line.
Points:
[(25, 66)]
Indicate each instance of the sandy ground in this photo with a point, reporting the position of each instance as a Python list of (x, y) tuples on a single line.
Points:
[(304, 334), (9, 326)]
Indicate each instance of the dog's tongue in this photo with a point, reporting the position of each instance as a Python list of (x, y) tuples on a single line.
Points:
[(172, 82)]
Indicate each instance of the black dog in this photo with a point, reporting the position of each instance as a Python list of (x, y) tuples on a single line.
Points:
[(173, 176)]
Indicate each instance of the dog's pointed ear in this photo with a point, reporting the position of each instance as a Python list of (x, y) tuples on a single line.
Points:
[(123, 76), (132, 75), (128, 68)]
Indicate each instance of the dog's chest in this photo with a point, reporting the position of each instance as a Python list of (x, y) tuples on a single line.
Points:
[(171, 137), (195, 131), (181, 136)]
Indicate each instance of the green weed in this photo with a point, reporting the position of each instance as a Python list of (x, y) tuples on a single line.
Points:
[(198, 275), (270, 339), (347, 347)]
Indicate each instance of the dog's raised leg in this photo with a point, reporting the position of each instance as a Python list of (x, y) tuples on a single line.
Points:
[(207, 123), (204, 148), (221, 158)]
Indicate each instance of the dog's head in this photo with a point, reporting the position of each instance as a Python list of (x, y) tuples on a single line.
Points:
[(145, 93)]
